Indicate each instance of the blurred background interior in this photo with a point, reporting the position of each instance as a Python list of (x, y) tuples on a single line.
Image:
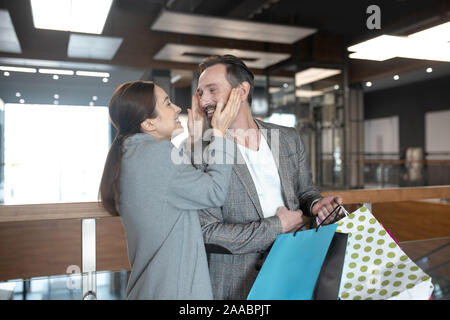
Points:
[(366, 87)]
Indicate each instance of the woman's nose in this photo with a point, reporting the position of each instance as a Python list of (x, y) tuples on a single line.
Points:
[(177, 109)]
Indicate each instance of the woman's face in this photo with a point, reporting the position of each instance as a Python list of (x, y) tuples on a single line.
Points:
[(166, 125)]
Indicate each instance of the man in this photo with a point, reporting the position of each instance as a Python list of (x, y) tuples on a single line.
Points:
[(266, 198)]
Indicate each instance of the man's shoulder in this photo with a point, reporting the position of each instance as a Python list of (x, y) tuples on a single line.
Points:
[(288, 132), (270, 125)]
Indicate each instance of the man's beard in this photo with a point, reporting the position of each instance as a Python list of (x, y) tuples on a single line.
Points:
[(209, 110), (207, 122)]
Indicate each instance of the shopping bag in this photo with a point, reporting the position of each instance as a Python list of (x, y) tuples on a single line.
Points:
[(375, 266), (329, 280), (292, 266)]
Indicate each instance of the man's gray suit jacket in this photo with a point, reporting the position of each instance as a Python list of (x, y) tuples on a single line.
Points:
[(239, 225)]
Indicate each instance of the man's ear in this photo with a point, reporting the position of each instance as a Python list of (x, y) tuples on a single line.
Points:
[(245, 90)]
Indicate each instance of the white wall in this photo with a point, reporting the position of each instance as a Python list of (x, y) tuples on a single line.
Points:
[(437, 133), (382, 136)]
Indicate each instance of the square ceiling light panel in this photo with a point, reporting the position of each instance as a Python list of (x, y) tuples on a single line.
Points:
[(8, 36), (86, 16), (229, 28), (429, 44), (308, 93), (439, 33), (92, 47), (311, 75), (386, 47), (195, 54)]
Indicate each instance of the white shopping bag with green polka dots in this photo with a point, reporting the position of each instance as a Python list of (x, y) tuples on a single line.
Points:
[(375, 267)]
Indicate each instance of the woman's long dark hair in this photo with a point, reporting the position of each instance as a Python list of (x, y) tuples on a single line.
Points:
[(131, 104)]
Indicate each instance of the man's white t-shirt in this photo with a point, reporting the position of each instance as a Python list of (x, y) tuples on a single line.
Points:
[(264, 172)]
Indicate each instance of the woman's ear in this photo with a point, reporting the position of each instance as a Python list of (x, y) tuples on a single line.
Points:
[(245, 90), (148, 125)]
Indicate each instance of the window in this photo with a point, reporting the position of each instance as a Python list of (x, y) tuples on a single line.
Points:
[(54, 153)]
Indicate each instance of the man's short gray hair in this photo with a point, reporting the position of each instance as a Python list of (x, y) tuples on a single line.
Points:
[(237, 71)]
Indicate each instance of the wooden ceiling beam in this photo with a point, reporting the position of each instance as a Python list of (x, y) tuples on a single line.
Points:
[(366, 70)]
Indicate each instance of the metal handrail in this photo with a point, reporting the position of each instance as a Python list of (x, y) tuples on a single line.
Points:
[(84, 210), (391, 194)]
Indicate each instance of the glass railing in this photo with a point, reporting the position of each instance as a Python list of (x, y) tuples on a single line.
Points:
[(110, 286), (391, 170), (31, 256), (432, 255)]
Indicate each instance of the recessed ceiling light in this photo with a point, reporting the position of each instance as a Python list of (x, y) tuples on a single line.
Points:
[(91, 103), (56, 71), (429, 70), (18, 69), (94, 98), (18, 94), (56, 96), (396, 77), (85, 16), (285, 85), (6, 74), (55, 102), (92, 74), (22, 101), (368, 84), (105, 80), (55, 77), (336, 87)]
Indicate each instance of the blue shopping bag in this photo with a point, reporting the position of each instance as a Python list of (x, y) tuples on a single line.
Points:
[(293, 265)]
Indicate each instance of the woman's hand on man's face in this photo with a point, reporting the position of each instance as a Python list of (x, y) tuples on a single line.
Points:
[(195, 119)]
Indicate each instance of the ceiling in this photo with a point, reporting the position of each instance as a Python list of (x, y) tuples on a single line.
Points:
[(338, 24)]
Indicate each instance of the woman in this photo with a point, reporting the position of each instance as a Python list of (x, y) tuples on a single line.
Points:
[(156, 198)]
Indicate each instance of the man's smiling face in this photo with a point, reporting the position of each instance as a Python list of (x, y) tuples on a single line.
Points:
[(213, 86)]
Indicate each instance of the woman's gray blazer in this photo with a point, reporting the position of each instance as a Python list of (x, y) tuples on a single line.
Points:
[(159, 198)]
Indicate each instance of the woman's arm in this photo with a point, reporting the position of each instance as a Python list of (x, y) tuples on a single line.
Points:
[(192, 189)]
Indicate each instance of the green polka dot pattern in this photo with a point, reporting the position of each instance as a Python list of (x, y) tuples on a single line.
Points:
[(375, 267)]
